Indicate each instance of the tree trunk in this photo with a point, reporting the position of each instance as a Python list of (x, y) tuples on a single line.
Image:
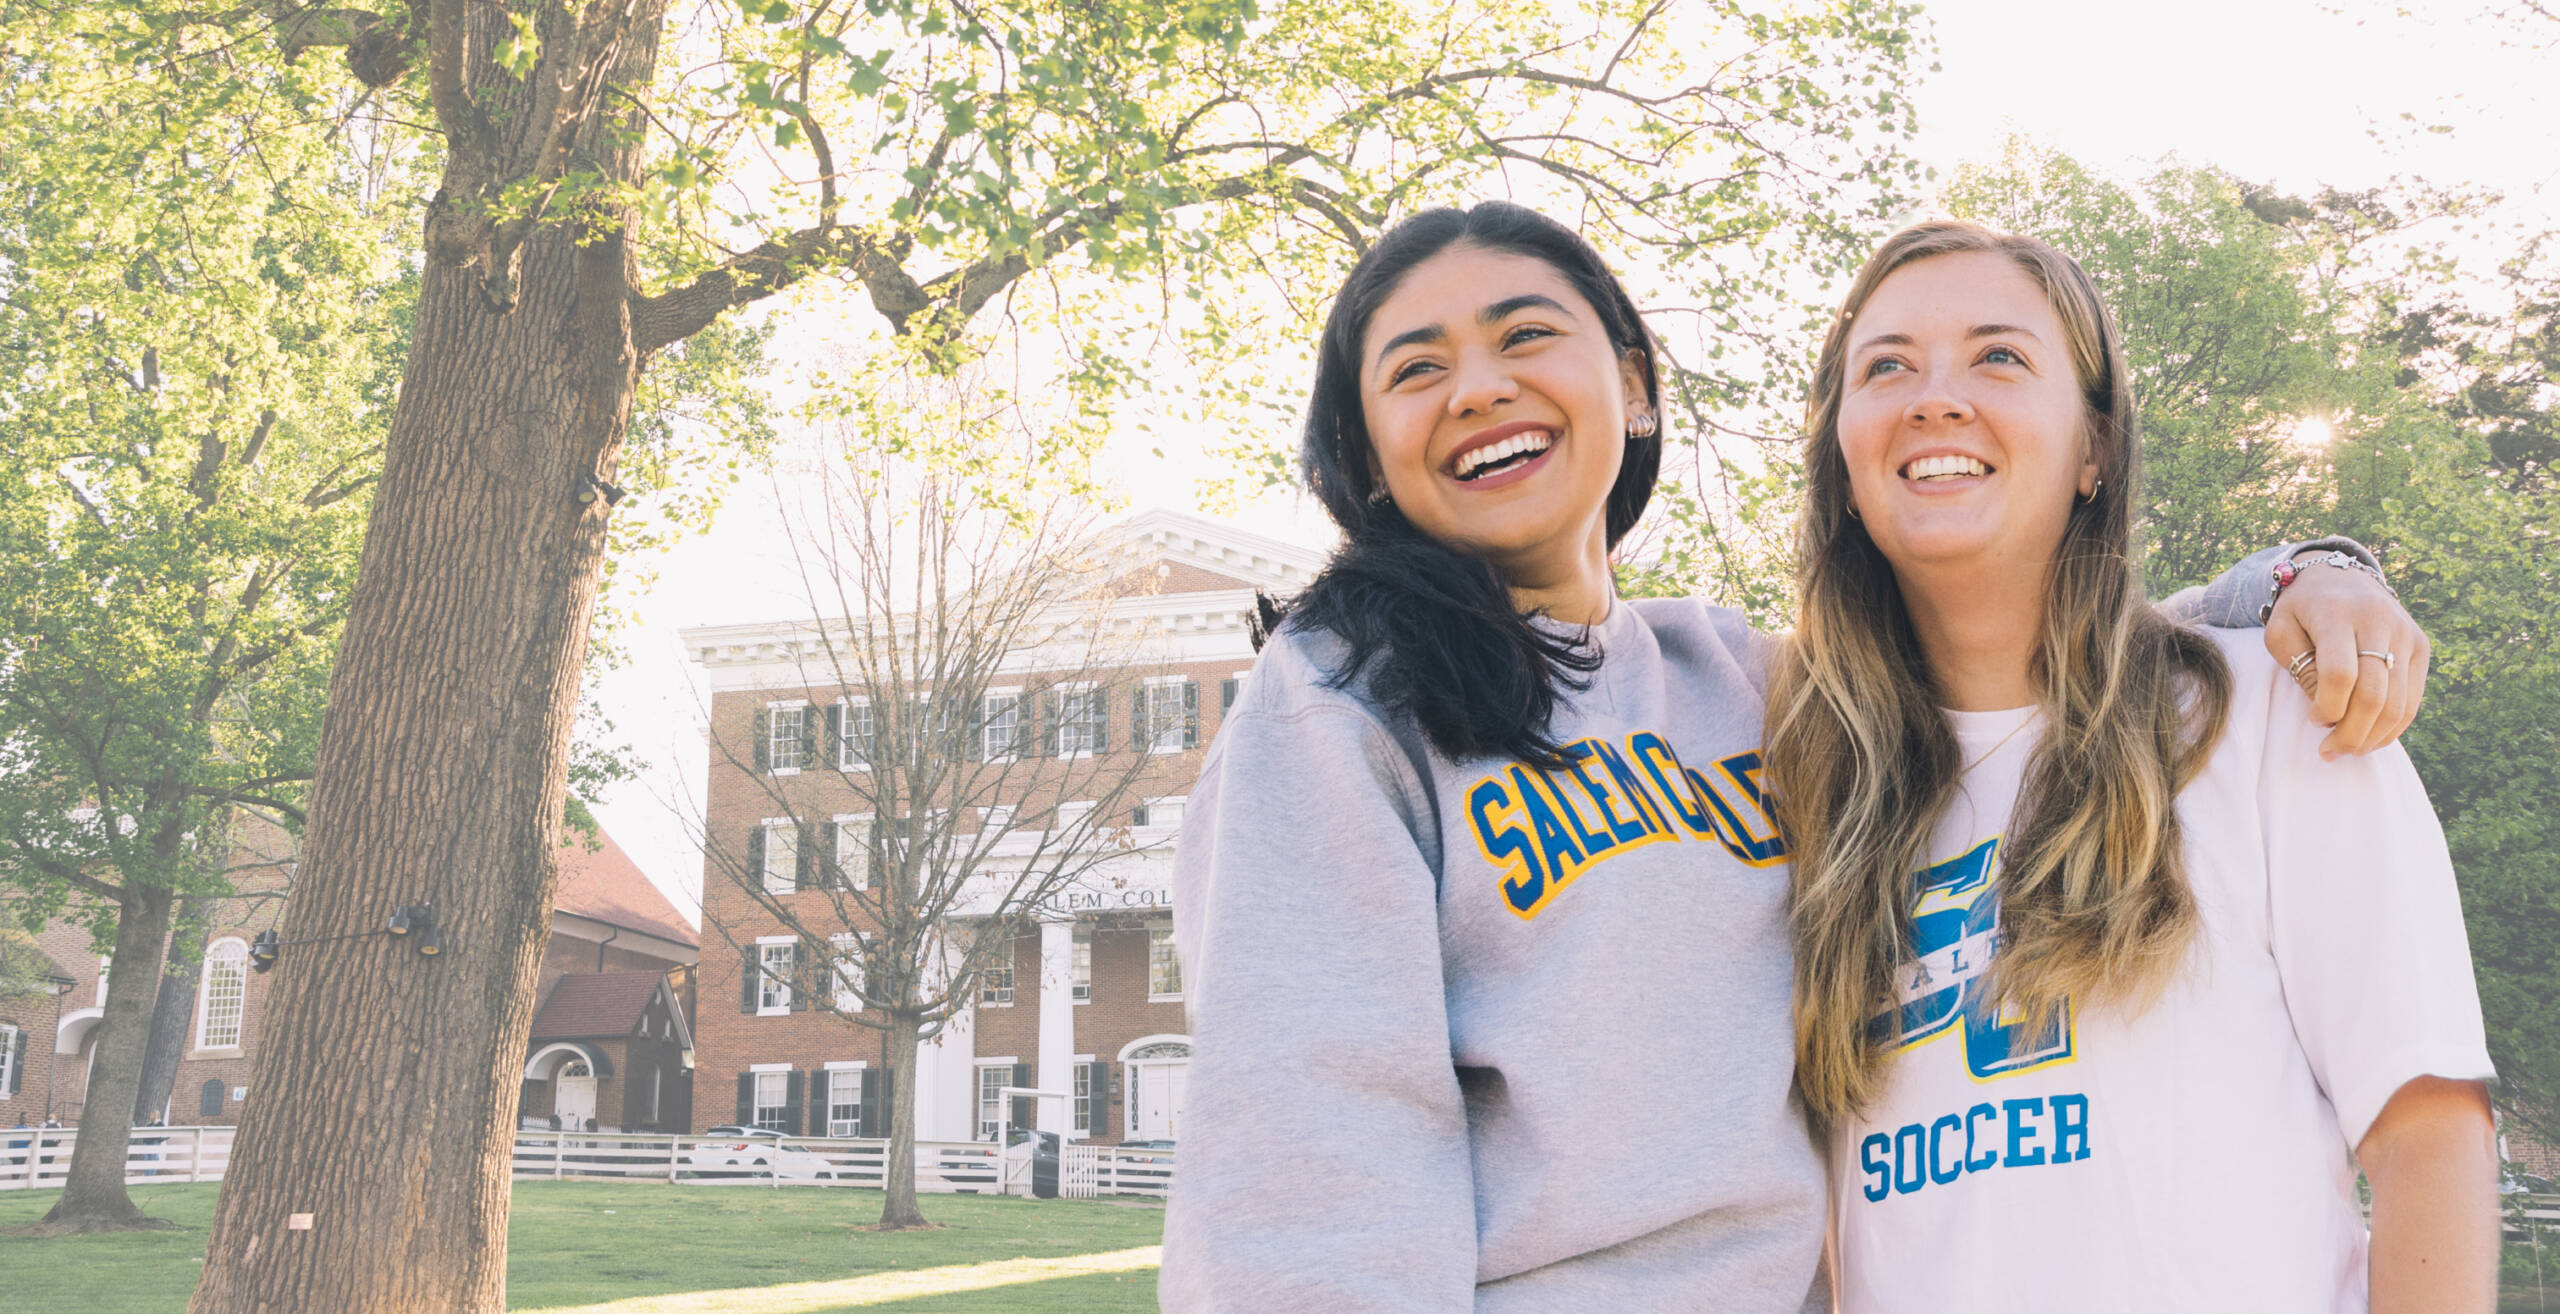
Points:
[(93, 1195), (899, 1209), (371, 1169), (173, 1010)]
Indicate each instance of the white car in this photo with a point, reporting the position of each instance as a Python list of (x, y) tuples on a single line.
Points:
[(756, 1149)]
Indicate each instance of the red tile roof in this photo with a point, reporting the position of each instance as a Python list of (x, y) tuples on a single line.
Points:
[(591, 1004), (606, 885)]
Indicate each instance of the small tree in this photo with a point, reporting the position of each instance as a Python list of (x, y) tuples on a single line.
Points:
[(971, 635)]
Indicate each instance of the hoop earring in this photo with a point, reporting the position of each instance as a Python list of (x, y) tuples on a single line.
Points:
[(1853, 512), (1378, 496), (1645, 426), (2092, 494)]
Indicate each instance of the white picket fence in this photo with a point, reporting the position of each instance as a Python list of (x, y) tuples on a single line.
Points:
[(1085, 1171), (33, 1158)]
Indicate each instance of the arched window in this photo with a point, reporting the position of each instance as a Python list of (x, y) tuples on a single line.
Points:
[(226, 986), (209, 1104), (575, 1068)]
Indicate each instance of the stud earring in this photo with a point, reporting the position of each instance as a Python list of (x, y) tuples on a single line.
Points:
[(1378, 495)]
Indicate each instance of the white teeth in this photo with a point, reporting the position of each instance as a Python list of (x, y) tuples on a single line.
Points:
[(1944, 467), (1492, 453)]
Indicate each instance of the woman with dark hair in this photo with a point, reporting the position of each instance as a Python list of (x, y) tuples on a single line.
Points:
[(1481, 906), (2102, 970)]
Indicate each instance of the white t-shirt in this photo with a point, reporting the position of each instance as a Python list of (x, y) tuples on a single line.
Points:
[(2196, 1156)]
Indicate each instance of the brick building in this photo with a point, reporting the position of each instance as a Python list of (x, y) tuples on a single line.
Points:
[(607, 921), (1091, 1008)]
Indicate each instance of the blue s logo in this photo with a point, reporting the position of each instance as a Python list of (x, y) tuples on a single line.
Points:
[(1955, 930)]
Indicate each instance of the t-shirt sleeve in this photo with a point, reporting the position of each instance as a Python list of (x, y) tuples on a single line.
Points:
[(1324, 1154), (2363, 918)]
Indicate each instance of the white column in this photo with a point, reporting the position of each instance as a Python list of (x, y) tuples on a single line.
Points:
[(1057, 1025), (946, 1080)]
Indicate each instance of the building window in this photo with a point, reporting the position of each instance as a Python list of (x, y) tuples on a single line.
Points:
[(853, 852), (1000, 727), (648, 1093), (848, 965), (1167, 715), (1083, 1124), (1081, 719), (1159, 813), (773, 972), (786, 736), (8, 1059), (995, 982), (992, 1079), (773, 1097), (844, 1102), (209, 1100), (226, 985), (853, 735), (781, 857), (1164, 967), (1080, 966)]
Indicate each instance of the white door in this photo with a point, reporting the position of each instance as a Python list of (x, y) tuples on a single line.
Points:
[(1160, 1087), (573, 1096)]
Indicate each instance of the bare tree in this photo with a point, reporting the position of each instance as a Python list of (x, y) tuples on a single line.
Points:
[(955, 768)]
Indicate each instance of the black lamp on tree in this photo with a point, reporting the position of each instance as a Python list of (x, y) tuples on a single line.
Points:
[(415, 923)]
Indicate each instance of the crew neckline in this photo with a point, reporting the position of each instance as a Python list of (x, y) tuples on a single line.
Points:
[(1974, 729)]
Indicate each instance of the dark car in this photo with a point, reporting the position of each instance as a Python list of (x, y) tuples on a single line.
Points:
[(1044, 1161)]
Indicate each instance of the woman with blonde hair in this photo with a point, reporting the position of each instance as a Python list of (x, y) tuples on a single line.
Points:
[(2103, 970)]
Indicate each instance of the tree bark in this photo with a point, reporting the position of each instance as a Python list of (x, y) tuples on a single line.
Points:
[(382, 1106), (93, 1195), (899, 1208), (173, 1010)]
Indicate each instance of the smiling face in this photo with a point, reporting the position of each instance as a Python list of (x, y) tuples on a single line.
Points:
[(1498, 410), (1961, 417)]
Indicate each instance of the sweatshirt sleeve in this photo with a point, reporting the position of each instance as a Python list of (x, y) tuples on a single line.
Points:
[(2231, 601), (1323, 1160), (2362, 916)]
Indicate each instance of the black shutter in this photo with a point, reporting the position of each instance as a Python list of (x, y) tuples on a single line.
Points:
[(873, 1116), (804, 869), (976, 749), (755, 858), (1098, 1099), (1024, 1114), (749, 964), (18, 1063), (1142, 736), (1102, 719), (808, 741), (1050, 707), (746, 1099), (1190, 714), (1226, 696), (791, 1105), (764, 739), (818, 1112), (835, 734), (835, 874)]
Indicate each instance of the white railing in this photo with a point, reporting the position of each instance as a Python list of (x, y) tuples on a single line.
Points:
[(34, 1158), (941, 1166)]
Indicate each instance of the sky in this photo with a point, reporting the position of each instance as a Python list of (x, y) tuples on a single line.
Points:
[(2296, 93)]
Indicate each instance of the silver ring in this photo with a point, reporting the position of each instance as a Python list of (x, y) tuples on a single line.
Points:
[(2301, 662), (2388, 661)]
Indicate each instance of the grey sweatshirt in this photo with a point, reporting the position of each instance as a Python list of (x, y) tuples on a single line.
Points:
[(1475, 1036)]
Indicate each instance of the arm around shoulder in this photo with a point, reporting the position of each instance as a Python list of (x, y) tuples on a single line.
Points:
[(1324, 1161)]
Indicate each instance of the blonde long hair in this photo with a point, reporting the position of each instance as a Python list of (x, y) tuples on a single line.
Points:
[(2094, 903)]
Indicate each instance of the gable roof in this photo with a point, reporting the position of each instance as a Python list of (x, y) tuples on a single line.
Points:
[(605, 885), (594, 1004)]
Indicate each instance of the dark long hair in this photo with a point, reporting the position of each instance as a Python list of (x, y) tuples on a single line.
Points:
[(1433, 628)]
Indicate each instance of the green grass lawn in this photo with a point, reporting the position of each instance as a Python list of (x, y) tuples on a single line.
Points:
[(583, 1245)]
